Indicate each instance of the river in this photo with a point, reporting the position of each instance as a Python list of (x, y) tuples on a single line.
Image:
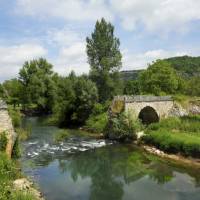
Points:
[(84, 168)]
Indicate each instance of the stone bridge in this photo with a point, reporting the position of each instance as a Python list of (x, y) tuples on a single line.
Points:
[(147, 108)]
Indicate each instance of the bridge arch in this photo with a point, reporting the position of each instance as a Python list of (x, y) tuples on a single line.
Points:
[(148, 115)]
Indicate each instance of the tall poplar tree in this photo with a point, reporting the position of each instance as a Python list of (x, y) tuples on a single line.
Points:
[(104, 57)]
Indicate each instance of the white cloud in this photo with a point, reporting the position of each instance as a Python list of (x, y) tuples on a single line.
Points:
[(157, 15), (71, 49), (72, 58), (13, 57), (78, 10), (62, 37), (140, 61)]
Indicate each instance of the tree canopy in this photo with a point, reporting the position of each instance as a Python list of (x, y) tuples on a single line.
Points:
[(159, 78), (38, 86), (104, 57)]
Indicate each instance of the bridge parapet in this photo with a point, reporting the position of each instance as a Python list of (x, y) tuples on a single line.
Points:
[(142, 98)]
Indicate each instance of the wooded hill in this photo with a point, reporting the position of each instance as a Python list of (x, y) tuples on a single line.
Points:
[(187, 66)]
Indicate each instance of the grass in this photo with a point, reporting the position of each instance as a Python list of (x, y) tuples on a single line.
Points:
[(9, 171), (184, 100), (176, 135), (18, 195), (188, 124), (15, 116)]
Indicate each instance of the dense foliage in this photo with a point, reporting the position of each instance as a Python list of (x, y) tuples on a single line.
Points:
[(174, 75), (159, 77), (38, 86), (75, 99), (122, 127), (104, 58), (187, 66)]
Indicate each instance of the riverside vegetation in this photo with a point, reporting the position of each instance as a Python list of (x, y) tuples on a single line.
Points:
[(10, 168), (74, 101)]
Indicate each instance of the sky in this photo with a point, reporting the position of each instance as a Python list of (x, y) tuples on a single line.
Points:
[(56, 30)]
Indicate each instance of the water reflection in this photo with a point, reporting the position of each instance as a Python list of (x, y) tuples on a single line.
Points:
[(112, 172)]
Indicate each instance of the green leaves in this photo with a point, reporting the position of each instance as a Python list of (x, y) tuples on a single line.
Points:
[(38, 85), (159, 78), (104, 58)]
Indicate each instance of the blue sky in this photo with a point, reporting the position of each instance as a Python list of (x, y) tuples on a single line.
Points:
[(56, 29)]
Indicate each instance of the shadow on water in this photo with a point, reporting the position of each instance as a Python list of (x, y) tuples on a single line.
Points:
[(111, 172)]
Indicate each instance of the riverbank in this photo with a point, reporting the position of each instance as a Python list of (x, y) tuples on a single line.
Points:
[(183, 160), (11, 134), (10, 186)]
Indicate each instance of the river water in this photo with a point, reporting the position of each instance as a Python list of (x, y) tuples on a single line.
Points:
[(88, 169)]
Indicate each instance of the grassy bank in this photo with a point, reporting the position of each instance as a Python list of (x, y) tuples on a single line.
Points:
[(176, 135), (9, 171), (9, 168)]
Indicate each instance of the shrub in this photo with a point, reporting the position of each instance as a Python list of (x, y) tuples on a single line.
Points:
[(122, 127), (97, 123), (61, 135)]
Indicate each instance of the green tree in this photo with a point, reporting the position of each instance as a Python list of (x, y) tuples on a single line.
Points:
[(1, 91), (12, 91), (38, 86), (193, 87), (75, 99), (86, 97), (159, 78), (132, 87), (65, 100), (104, 58)]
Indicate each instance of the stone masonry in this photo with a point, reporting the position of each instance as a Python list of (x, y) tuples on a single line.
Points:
[(7, 127), (162, 105)]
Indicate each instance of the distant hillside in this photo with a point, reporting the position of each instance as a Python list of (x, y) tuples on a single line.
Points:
[(131, 74), (186, 65)]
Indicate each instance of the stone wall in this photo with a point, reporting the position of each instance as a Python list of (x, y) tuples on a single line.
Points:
[(162, 108), (7, 127), (163, 105)]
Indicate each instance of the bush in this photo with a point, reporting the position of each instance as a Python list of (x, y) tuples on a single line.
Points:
[(122, 127), (61, 135), (97, 123), (3, 141)]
